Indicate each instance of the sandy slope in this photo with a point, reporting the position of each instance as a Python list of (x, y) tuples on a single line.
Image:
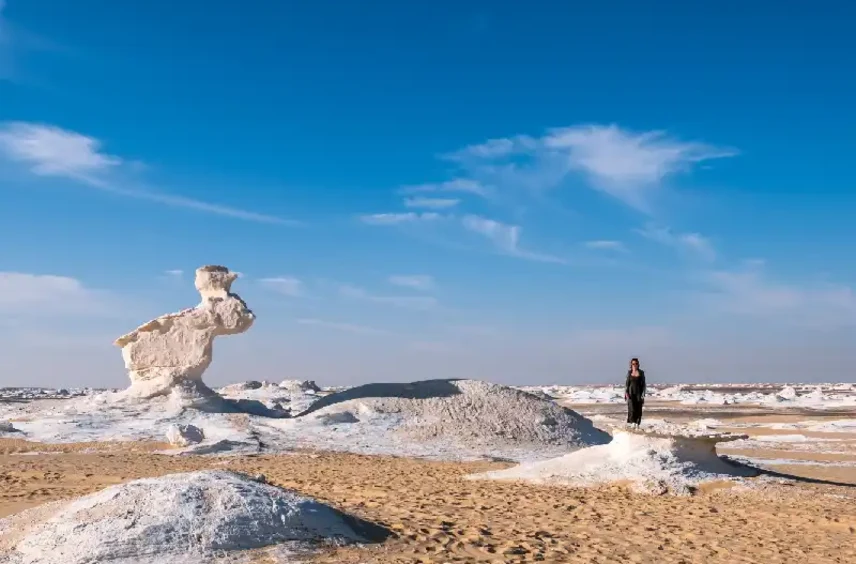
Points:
[(441, 517)]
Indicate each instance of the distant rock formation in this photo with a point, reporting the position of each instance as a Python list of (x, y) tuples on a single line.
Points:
[(300, 386), (174, 350)]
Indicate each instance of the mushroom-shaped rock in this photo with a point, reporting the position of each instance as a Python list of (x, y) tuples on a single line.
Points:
[(663, 459), (174, 350)]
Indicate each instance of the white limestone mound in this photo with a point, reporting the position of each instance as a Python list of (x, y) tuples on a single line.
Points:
[(305, 386), (648, 463), (464, 413), (239, 387), (184, 435), (7, 427), (175, 349), (197, 517), (788, 393)]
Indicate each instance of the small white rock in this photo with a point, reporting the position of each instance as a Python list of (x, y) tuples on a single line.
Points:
[(184, 435), (6, 427)]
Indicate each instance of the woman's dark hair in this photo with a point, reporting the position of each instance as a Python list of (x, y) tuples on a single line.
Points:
[(632, 360)]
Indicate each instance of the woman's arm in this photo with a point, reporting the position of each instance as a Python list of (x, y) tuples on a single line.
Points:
[(642, 382), (627, 385)]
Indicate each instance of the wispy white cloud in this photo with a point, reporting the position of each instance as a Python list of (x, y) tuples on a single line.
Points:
[(495, 149), (16, 43), (410, 302), (285, 285), (462, 185), (421, 282), (346, 327), (623, 163), (505, 238), (749, 290), (174, 273), (52, 151), (198, 205), (627, 165), (399, 218), (693, 243), (431, 203), (47, 294), (606, 245)]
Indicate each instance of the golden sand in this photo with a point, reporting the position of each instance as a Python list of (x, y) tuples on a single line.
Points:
[(440, 517)]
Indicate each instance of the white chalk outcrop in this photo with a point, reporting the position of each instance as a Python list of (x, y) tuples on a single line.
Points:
[(442, 419), (304, 386), (655, 461), (7, 427), (197, 517), (184, 435), (174, 350)]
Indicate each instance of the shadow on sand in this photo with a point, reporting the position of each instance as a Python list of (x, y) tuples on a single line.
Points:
[(773, 474), (371, 532)]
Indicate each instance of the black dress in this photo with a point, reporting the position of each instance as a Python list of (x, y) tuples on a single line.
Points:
[(634, 389)]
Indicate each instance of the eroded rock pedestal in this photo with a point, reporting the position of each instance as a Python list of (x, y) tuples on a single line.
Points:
[(660, 459), (174, 350)]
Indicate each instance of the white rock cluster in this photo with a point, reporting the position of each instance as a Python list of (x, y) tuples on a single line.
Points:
[(443, 418), (174, 350), (305, 386), (7, 427), (198, 517), (184, 435), (648, 462)]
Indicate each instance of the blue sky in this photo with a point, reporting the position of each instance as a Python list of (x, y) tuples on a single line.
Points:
[(522, 194)]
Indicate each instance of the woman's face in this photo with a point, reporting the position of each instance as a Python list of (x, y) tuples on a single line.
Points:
[(634, 365)]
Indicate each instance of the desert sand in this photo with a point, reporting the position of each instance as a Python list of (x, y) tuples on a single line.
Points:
[(439, 516)]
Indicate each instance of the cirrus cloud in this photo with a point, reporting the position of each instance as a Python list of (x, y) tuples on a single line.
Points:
[(51, 151), (23, 294), (627, 165), (285, 285), (420, 282)]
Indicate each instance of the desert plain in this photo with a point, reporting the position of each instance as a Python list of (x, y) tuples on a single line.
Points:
[(802, 509)]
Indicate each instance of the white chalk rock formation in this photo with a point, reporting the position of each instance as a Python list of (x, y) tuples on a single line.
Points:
[(239, 387), (303, 386), (456, 415), (184, 435), (174, 350), (650, 462), (7, 427), (197, 517)]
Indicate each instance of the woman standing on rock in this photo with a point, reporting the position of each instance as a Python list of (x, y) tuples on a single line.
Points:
[(634, 392)]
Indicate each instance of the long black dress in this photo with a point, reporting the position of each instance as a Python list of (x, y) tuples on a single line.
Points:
[(634, 388)]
